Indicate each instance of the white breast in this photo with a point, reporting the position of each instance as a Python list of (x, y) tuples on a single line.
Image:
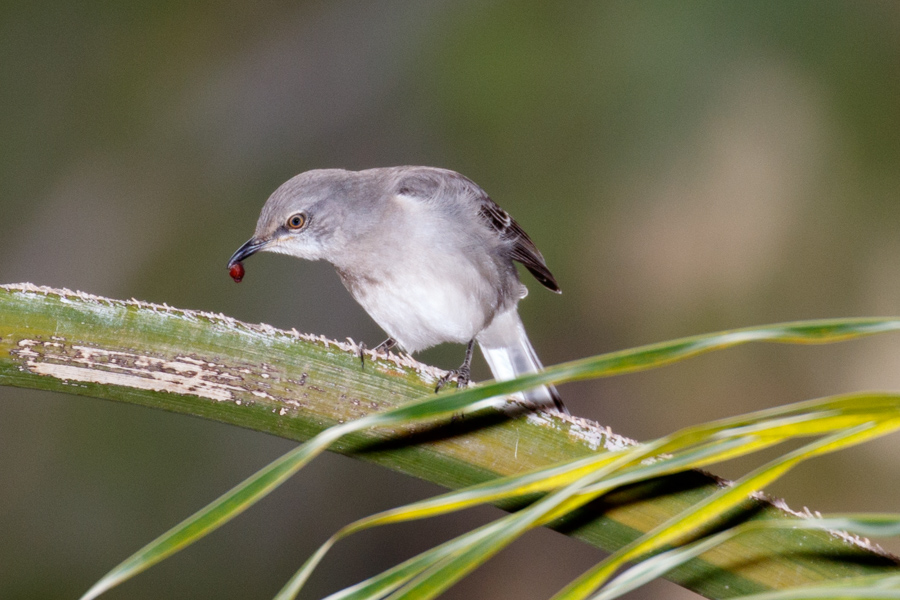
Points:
[(424, 289), (421, 306)]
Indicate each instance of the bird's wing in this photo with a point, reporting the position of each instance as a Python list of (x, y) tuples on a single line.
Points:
[(428, 182), (523, 249)]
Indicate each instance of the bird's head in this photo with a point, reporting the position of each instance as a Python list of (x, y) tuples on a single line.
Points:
[(306, 216)]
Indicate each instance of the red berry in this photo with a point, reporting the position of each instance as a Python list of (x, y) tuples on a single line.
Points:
[(237, 272)]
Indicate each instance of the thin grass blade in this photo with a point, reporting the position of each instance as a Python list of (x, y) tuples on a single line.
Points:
[(854, 588), (719, 503), (218, 512), (873, 525), (729, 437), (382, 585)]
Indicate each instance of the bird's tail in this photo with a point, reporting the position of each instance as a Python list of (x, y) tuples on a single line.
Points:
[(509, 354)]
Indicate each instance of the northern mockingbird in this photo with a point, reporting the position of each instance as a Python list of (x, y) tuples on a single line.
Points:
[(426, 253)]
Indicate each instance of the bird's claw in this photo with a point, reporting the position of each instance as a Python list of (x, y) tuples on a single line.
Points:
[(461, 375), (361, 352), (382, 348)]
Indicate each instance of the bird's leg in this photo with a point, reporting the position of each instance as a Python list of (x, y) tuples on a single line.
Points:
[(461, 375), (383, 347)]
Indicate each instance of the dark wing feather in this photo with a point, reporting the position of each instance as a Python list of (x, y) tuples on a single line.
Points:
[(425, 182), (523, 249)]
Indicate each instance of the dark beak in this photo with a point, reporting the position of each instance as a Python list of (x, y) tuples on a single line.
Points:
[(251, 246)]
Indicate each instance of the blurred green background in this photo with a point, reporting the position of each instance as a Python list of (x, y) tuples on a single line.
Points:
[(684, 167)]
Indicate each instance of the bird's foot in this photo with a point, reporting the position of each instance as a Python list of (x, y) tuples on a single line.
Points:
[(381, 348), (461, 375), (385, 346)]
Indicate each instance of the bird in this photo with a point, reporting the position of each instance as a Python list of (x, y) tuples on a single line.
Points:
[(425, 251)]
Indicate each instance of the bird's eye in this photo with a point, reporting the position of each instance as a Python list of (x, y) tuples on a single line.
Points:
[(296, 221)]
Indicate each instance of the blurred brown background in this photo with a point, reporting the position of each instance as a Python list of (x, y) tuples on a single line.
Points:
[(684, 167)]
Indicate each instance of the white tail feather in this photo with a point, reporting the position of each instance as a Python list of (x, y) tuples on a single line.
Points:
[(509, 354)]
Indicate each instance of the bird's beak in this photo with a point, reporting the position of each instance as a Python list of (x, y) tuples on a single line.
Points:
[(251, 246)]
